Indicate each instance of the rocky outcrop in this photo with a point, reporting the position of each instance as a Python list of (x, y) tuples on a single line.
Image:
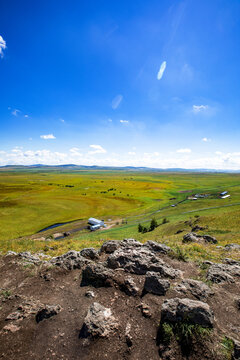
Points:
[(157, 247), (99, 322), (90, 253), (193, 237), (198, 289), (110, 246), (192, 311), (71, 260), (155, 284), (230, 247), (140, 261), (28, 257), (47, 312), (97, 275), (218, 273)]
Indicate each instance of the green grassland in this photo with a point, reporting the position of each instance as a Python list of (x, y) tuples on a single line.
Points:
[(32, 200)]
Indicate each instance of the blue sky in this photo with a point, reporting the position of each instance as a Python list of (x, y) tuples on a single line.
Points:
[(142, 83)]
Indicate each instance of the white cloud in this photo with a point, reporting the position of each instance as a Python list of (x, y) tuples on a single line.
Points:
[(124, 121), (184, 151), (199, 108), (3, 46), (161, 70), (116, 101), (47, 137), (75, 151), (218, 152), (110, 120), (62, 120), (26, 116), (205, 139), (15, 112), (131, 153), (98, 149)]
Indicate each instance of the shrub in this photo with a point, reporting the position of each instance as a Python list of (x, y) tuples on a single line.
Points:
[(227, 346), (153, 224), (179, 254), (165, 221)]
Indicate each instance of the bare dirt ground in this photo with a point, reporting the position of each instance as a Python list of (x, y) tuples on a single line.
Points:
[(24, 288)]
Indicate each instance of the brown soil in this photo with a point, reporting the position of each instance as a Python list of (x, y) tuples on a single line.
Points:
[(58, 337)]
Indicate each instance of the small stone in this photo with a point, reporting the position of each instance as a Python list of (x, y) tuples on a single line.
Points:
[(90, 294), (11, 328), (47, 312), (155, 284)]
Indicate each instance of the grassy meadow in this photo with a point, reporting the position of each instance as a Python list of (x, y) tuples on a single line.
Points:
[(31, 200)]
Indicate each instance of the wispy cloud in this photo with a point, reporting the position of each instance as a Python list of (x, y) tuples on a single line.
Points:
[(47, 137), (161, 70), (116, 101), (26, 116), (205, 139), (124, 121), (199, 108), (75, 151), (184, 151), (97, 149), (3, 46), (15, 112), (62, 120), (131, 153)]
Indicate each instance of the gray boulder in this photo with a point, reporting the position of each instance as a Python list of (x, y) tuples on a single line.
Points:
[(110, 246), (47, 312), (230, 247), (28, 257), (197, 288), (218, 273), (139, 261), (155, 284), (157, 247), (193, 237), (210, 239), (190, 237), (97, 275), (90, 253), (129, 287), (71, 260), (193, 311), (130, 244), (99, 322)]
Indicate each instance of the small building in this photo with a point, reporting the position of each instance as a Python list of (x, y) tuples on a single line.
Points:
[(223, 193), (225, 196), (95, 224)]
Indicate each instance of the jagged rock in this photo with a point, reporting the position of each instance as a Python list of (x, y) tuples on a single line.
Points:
[(90, 294), (193, 311), (155, 284), (11, 328), (99, 322), (11, 253), (14, 316), (128, 286), (71, 260), (197, 288), (28, 257), (140, 261), (193, 237), (190, 237), (157, 247), (231, 262), (110, 246), (90, 253), (145, 310), (130, 244), (222, 272), (97, 275), (236, 350), (47, 312), (128, 335), (229, 247), (197, 228)]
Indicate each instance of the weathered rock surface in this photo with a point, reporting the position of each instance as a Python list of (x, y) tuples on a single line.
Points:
[(193, 311), (28, 257), (90, 253), (47, 312), (140, 261), (128, 286), (218, 273), (110, 246), (157, 247), (99, 322), (193, 237), (229, 247), (236, 350), (71, 260), (155, 284), (197, 288), (97, 275)]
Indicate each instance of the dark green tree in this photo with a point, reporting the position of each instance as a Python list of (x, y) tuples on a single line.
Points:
[(140, 228), (153, 224)]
